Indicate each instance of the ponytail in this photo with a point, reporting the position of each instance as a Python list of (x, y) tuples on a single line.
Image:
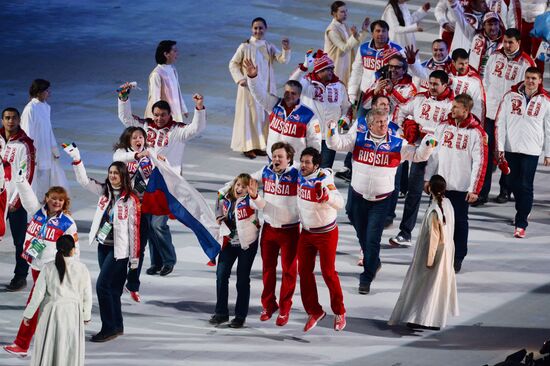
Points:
[(439, 199), (64, 245), (438, 186), (397, 10)]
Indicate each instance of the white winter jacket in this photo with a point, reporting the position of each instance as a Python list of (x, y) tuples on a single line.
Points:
[(246, 217), (470, 83), (530, 9)]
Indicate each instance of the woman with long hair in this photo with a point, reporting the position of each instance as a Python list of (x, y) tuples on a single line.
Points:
[(50, 221), (250, 127), (115, 227), (131, 149), (429, 293), (402, 23), (63, 293)]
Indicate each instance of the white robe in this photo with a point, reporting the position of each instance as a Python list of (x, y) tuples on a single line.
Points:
[(36, 122), (403, 35), (164, 85), (429, 294), (59, 338), (250, 127)]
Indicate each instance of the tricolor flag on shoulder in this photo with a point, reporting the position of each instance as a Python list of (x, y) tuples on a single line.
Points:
[(168, 193)]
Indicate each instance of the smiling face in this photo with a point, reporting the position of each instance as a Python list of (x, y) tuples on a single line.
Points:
[(114, 177), (379, 125), (240, 189), (54, 203), (11, 121), (396, 69), (137, 141), (161, 117), (258, 29), (280, 160), (440, 51)]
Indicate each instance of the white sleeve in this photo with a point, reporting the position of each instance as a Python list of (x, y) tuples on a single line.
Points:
[(418, 15), (419, 70), (197, 125), (440, 12), (404, 111), (84, 181), (86, 294), (155, 87), (38, 294), (355, 77), (390, 17), (125, 114), (313, 134), (479, 160), (501, 122), (27, 122), (235, 65), (335, 199), (461, 22), (343, 46), (27, 196), (546, 127), (417, 154), (261, 95), (338, 142), (282, 57), (124, 155)]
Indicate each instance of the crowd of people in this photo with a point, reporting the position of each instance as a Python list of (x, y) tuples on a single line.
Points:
[(443, 124)]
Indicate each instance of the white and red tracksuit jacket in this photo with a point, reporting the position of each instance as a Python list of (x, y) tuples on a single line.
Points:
[(400, 93), (522, 124), (530, 9), (329, 102), (246, 217), (423, 112), (508, 10), (470, 83), (374, 166), (468, 22), (169, 140), (367, 61), (421, 71), (461, 155), (279, 203), (14, 151), (316, 216), (44, 228), (300, 128), (482, 47), (126, 218), (501, 73)]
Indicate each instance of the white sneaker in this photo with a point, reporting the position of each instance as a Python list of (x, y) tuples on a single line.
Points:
[(400, 241)]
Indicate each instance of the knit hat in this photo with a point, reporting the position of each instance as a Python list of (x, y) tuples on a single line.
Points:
[(321, 61), (490, 15)]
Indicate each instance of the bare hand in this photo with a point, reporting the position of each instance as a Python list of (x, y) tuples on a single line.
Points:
[(199, 101), (448, 27), (26, 321), (366, 24), (410, 54), (419, 29), (243, 83), (143, 154), (353, 31), (426, 6), (547, 161), (253, 188), (380, 86), (251, 70), (471, 197), (286, 44), (427, 187)]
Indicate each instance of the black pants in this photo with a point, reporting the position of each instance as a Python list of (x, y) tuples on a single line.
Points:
[(460, 206), (18, 227), (522, 175)]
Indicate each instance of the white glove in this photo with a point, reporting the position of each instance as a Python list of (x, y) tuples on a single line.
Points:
[(134, 262), (308, 59), (72, 151)]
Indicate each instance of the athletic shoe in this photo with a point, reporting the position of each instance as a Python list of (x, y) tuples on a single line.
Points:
[(250, 154), (119, 331), (345, 175), (479, 202), (457, 265), (16, 284), (135, 296), (103, 337), (364, 288), (519, 233), (282, 319), (166, 270), (339, 322), (153, 270), (313, 320), (266, 314), (236, 323), (218, 319), (211, 263), (400, 241), (502, 198), (15, 350)]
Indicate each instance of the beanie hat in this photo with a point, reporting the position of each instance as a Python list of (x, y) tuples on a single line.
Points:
[(321, 61)]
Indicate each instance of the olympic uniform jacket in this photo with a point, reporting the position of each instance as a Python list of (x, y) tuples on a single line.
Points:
[(169, 140), (279, 202), (301, 128), (367, 61), (328, 102), (501, 73), (374, 166), (460, 156), (3, 202), (482, 47), (164, 85), (14, 151), (246, 217), (139, 169), (126, 218), (508, 10), (523, 125), (470, 83), (400, 93), (45, 229), (530, 9), (421, 71), (315, 216), (424, 112), (467, 23)]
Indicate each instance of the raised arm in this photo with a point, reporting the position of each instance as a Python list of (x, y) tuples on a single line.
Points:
[(197, 125), (338, 142), (282, 57), (80, 171), (258, 89)]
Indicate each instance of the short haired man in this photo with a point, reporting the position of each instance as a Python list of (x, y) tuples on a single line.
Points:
[(16, 150), (289, 120), (281, 229), (421, 114), (460, 158), (486, 41), (376, 156), (440, 60), (164, 82), (505, 68), (523, 133), (323, 93), (318, 205), (165, 137)]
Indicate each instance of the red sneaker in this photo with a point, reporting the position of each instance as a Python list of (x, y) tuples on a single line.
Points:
[(14, 349), (313, 320), (135, 296), (211, 263), (339, 322), (519, 233), (282, 319), (266, 315)]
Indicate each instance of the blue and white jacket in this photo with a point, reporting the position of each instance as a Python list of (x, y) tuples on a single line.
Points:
[(245, 214)]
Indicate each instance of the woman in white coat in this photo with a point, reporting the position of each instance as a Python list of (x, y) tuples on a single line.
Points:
[(429, 290), (402, 23), (36, 122), (63, 292), (341, 40), (250, 127)]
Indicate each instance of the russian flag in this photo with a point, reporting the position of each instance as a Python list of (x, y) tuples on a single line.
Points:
[(168, 193)]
